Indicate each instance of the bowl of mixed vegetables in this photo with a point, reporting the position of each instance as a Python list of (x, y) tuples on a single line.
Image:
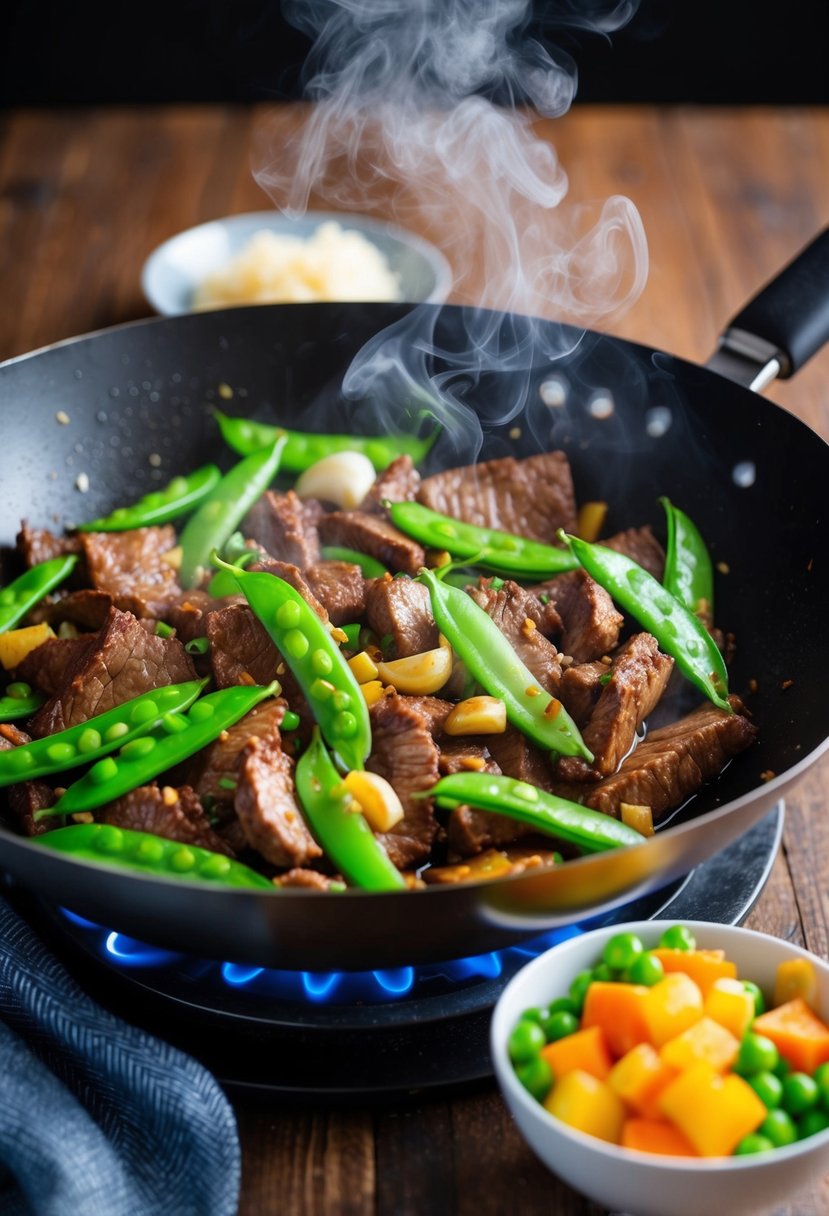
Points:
[(665, 1069)]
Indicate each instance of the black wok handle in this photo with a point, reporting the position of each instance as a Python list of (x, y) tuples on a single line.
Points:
[(783, 326)]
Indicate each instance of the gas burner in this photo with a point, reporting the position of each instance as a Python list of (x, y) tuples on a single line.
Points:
[(378, 1034)]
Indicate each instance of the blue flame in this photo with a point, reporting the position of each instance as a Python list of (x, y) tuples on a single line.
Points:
[(133, 953)]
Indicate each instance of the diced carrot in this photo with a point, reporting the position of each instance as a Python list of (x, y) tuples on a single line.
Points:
[(702, 966), (585, 1050), (714, 1112), (729, 1004), (639, 1078), (705, 1040), (799, 1034), (671, 1006), (656, 1136), (795, 977), (583, 1102), (617, 1008)]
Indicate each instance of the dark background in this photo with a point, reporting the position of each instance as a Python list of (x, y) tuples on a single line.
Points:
[(707, 51)]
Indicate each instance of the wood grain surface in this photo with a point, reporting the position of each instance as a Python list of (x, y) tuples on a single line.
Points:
[(726, 197)]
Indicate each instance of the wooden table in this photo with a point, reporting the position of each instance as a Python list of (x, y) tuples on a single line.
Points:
[(726, 198)]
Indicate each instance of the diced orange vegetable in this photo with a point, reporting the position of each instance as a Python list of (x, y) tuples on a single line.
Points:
[(617, 1008), (702, 966), (17, 643), (670, 1007), (798, 1033), (582, 1101), (656, 1136), (639, 1078), (706, 1040), (795, 977), (585, 1050), (712, 1111), (729, 1004)]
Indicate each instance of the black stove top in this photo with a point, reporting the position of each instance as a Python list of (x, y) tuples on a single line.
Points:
[(379, 1034)]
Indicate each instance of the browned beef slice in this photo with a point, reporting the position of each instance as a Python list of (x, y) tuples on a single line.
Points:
[(307, 880), (267, 808), (87, 609), (638, 676), (26, 797), (286, 527), (398, 483), (39, 545), (240, 648), (401, 607), (591, 622), (214, 771), (517, 757), (341, 588), (463, 754), (188, 613), (175, 814), (532, 497), (121, 661), (519, 616), (470, 831), (132, 568), (641, 545), (675, 761), (580, 689), (296, 577), (47, 665), (373, 535), (433, 710), (403, 752)]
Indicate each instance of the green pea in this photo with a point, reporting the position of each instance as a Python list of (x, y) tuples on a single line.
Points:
[(754, 1143), (174, 723), (602, 973), (525, 1041), (622, 950), (321, 662), (150, 851), (290, 721), (59, 753), (811, 1123), (182, 860), (103, 771), (18, 761), (136, 748), (19, 690), (145, 711), (578, 989), (768, 1088), (321, 690), (345, 726), (116, 731), (216, 866), (559, 1024), (800, 1093), (563, 1004), (536, 1076), (759, 1000), (647, 969), (821, 1076), (535, 1014), (678, 937), (341, 699), (779, 1127), (294, 643), (200, 712), (109, 839), (89, 741), (756, 1054)]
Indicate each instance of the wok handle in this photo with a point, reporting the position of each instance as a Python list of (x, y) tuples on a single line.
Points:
[(783, 326)]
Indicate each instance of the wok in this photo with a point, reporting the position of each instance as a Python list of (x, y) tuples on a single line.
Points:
[(752, 476)]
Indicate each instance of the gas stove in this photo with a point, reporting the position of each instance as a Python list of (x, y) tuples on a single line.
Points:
[(375, 1034)]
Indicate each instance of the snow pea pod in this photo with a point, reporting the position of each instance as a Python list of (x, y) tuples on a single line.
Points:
[(501, 552), (343, 835), (179, 497), (132, 850), (97, 736), (689, 574), (178, 736), (678, 631), (308, 648), (228, 502), (492, 661), (29, 589), (591, 830), (304, 449), (20, 701), (370, 566)]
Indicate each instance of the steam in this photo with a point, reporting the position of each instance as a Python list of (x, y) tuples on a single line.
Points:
[(417, 115)]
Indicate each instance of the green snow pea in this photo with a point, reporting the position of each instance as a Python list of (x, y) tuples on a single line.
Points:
[(370, 566), (678, 631), (344, 836), (179, 497), (131, 850), (689, 575), (97, 736), (20, 701), (29, 589), (591, 830)]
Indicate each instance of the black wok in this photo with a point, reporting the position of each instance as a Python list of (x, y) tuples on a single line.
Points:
[(752, 476)]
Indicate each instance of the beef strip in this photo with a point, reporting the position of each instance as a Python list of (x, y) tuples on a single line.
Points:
[(675, 761), (400, 482), (581, 688), (341, 588), (26, 797), (641, 545), (470, 831), (119, 662), (296, 577), (307, 880), (638, 676), (402, 608), (241, 650), (175, 814), (591, 622), (522, 619), (286, 527), (517, 757), (404, 753), (266, 805), (433, 710), (188, 613), (133, 568), (532, 497), (86, 609), (374, 535), (37, 545), (47, 665), (214, 771)]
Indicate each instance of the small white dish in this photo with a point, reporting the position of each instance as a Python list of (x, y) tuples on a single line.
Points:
[(643, 1184), (173, 270)]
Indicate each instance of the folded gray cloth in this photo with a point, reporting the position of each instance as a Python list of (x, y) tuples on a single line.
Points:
[(98, 1118)]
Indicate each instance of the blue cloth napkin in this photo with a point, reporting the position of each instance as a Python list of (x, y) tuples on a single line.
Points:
[(98, 1118)]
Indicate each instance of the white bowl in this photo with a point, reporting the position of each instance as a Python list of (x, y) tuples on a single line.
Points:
[(643, 1184), (173, 271)]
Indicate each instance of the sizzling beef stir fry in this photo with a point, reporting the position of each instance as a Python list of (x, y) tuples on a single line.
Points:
[(364, 678)]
